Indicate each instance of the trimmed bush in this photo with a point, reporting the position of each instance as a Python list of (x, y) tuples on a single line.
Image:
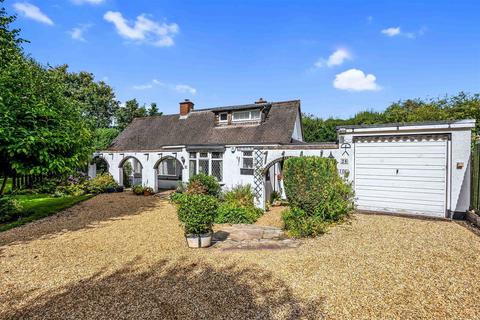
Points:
[(196, 187), (10, 209), (317, 194), (231, 212), (197, 213), (100, 183), (176, 197), (211, 185)]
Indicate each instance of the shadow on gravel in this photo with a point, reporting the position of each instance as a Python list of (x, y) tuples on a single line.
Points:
[(84, 215), (173, 291)]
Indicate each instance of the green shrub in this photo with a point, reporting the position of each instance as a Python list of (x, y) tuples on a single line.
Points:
[(10, 209), (274, 196), (197, 213), (149, 190), (138, 190), (314, 185), (299, 224), (316, 193), (241, 194), (71, 189), (46, 186), (196, 187), (210, 183), (176, 197), (100, 183), (232, 212)]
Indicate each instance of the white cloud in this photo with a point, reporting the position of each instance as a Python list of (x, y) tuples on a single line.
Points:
[(32, 12), (180, 88), (183, 88), (391, 32), (335, 59), (94, 2), (144, 29), (355, 80), (78, 33)]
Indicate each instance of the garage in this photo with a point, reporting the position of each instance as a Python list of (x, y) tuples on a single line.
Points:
[(404, 174)]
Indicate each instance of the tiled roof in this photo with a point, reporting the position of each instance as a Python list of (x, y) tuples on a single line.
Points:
[(152, 133)]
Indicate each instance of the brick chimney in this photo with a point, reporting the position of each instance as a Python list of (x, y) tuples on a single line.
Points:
[(185, 107), (260, 101)]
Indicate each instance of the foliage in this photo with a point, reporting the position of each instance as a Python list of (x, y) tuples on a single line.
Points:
[(240, 194), (177, 197), (274, 196), (10, 209), (138, 190), (313, 185), (41, 129), (197, 213), (196, 187), (300, 224), (41, 205), (126, 114), (100, 183), (153, 111), (103, 137), (233, 212), (96, 99), (460, 106), (210, 183)]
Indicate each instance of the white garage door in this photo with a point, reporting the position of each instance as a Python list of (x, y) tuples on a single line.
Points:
[(406, 174)]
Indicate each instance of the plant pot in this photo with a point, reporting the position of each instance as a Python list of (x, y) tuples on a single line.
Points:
[(199, 240), (146, 193), (120, 189), (110, 190)]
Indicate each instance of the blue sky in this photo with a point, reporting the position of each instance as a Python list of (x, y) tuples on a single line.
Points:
[(338, 57)]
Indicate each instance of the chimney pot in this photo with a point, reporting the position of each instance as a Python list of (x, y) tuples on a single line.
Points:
[(185, 107), (260, 101)]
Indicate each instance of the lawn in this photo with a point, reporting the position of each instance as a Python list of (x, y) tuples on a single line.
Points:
[(123, 256), (40, 206)]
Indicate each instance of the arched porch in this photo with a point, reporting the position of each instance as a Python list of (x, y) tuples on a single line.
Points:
[(131, 170), (168, 173)]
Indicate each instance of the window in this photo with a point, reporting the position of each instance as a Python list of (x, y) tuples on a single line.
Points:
[(247, 163), (246, 115), (217, 165), (209, 164), (168, 167), (223, 117)]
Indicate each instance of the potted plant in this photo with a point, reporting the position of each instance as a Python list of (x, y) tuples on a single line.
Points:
[(196, 213), (119, 188), (147, 191), (110, 188)]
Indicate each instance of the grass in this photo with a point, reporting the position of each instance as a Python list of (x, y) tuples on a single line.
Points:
[(8, 186), (41, 206)]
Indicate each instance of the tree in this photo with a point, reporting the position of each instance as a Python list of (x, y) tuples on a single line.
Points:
[(153, 111), (97, 99), (41, 129), (127, 113), (103, 137)]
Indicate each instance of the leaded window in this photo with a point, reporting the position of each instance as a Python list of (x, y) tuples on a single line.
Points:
[(217, 165), (247, 163)]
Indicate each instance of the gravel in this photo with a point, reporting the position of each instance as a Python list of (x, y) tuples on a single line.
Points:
[(119, 256)]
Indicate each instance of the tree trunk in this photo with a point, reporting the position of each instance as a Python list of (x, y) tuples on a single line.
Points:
[(4, 183)]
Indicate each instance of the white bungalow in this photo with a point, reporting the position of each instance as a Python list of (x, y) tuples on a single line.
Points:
[(421, 169)]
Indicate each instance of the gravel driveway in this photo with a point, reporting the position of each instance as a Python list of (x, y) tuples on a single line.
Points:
[(119, 256)]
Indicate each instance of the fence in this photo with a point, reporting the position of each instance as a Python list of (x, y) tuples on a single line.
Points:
[(475, 191)]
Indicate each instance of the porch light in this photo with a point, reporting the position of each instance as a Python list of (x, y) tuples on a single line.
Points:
[(182, 158)]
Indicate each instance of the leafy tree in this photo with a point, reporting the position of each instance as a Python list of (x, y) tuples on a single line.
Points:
[(153, 111), (103, 137), (41, 129), (97, 99), (127, 113)]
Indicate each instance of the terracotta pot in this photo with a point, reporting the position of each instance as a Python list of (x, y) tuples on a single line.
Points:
[(199, 240), (146, 193)]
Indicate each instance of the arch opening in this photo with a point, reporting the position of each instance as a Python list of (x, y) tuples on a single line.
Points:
[(273, 179), (130, 172), (100, 165), (168, 173)]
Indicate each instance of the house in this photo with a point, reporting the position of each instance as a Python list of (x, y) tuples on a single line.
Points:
[(419, 168)]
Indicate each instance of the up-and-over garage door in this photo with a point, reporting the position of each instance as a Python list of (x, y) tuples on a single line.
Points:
[(402, 174)]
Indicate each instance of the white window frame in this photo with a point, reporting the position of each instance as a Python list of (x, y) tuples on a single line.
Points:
[(250, 117), (197, 159)]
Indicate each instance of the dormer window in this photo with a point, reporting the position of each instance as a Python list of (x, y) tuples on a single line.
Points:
[(246, 115), (223, 117)]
